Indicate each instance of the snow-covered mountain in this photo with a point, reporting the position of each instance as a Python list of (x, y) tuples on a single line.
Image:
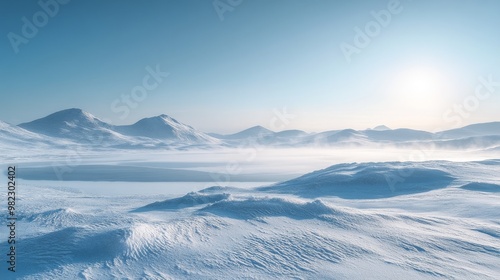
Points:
[(262, 132), (334, 137), (84, 128), (262, 136), (397, 135), (164, 127), (14, 136), (381, 128), (480, 129), (76, 125), (253, 132), (164, 131), (10, 132), (362, 137)]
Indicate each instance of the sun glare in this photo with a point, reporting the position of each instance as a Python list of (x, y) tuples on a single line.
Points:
[(420, 86), (420, 82)]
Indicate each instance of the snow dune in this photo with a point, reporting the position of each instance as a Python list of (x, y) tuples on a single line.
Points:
[(483, 187), (254, 208), (189, 200), (367, 180)]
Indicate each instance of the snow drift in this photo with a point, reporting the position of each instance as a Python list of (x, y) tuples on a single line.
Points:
[(367, 180)]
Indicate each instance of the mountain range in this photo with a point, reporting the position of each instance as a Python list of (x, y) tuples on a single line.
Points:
[(80, 127)]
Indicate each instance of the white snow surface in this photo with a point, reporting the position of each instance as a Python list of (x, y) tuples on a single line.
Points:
[(436, 220)]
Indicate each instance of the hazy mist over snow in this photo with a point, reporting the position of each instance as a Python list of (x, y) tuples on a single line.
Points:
[(250, 139), (158, 199), (165, 132)]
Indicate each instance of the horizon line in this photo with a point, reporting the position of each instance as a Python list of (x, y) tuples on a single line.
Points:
[(248, 128)]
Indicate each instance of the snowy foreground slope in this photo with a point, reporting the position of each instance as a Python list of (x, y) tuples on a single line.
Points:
[(425, 220)]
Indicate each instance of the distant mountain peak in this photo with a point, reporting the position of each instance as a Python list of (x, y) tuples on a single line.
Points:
[(166, 128), (252, 132), (162, 119), (80, 126), (257, 128), (77, 110), (167, 117), (68, 123), (381, 128), (163, 116), (478, 129), (72, 114)]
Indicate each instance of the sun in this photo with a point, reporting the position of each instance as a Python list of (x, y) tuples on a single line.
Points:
[(420, 82), (419, 85)]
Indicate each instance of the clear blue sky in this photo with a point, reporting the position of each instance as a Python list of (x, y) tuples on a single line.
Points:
[(227, 75)]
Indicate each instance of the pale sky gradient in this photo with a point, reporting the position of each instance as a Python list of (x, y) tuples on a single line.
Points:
[(227, 75)]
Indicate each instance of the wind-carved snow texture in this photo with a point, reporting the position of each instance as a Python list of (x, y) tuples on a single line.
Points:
[(343, 222), (189, 200)]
